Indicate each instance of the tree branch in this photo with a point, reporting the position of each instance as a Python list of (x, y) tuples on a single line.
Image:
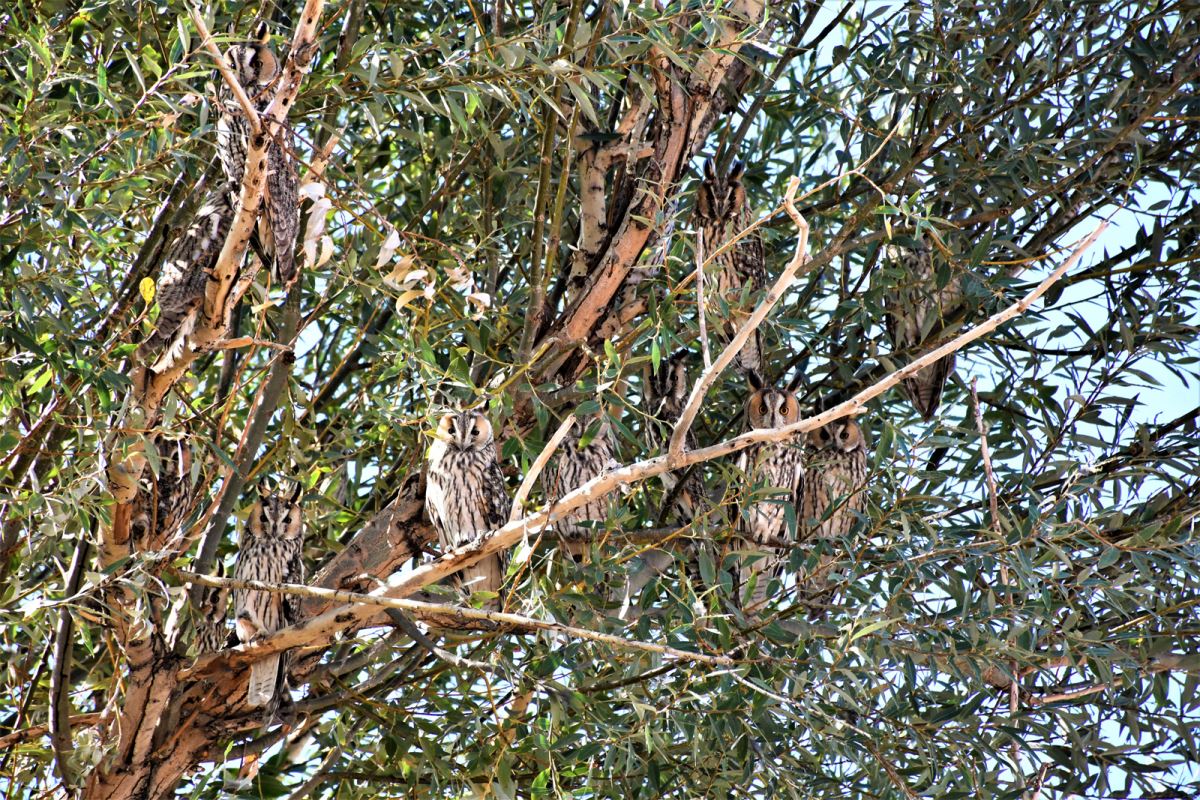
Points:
[(243, 654)]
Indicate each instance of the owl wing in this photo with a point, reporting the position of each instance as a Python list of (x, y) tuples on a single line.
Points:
[(282, 207), (293, 573), (496, 502), (184, 276)]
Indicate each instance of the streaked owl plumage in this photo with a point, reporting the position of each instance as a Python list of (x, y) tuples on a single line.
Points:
[(212, 634), (834, 489), (185, 272), (465, 494), (775, 472), (723, 211), (254, 64), (667, 395), (272, 550), (914, 309), (162, 504), (571, 467)]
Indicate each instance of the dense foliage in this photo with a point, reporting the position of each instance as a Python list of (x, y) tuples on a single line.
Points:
[(1013, 131)]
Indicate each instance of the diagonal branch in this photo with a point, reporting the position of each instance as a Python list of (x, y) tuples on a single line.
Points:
[(539, 463), (801, 258), (235, 86), (711, 373), (322, 629)]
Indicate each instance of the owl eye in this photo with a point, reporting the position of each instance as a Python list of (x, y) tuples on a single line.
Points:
[(824, 435), (450, 427), (844, 434)]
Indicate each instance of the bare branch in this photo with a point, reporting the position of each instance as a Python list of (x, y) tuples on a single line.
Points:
[(700, 389), (539, 463), (700, 315), (245, 654)]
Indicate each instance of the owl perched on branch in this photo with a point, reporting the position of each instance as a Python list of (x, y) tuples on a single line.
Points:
[(185, 272), (271, 551), (915, 310), (585, 452), (736, 275), (465, 494), (775, 478), (834, 490), (254, 64)]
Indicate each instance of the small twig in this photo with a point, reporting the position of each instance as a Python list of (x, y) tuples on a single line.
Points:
[(539, 463), (713, 371), (249, 341), (1014, 687), (986, 452), (700, 299), (1046, 699), (420, 608), (417, 635), (1036, 794), (230, 79), (25, 734), (60, 678)]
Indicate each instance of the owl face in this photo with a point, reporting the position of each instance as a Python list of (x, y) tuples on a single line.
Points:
[(277, 515), (253, 61), (721, 198), (843, 435), (769, 407), (464, 430)]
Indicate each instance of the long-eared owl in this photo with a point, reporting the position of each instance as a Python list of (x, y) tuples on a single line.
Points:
[(272, 551), (915, 308), (775, 477), (834, 490), (574, 464), (739, 272), (256, 67), (185, 272), (465, 494)]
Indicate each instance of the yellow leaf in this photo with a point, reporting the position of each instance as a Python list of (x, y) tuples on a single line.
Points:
[(146, 287)]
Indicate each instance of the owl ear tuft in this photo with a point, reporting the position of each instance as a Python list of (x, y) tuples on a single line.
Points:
[(261, 32), (264, 491), (736, 171), (296, 493), (756, 381)]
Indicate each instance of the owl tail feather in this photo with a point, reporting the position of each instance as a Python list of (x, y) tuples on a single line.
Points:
[(263, 675), (924, 390), (484, 576)]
